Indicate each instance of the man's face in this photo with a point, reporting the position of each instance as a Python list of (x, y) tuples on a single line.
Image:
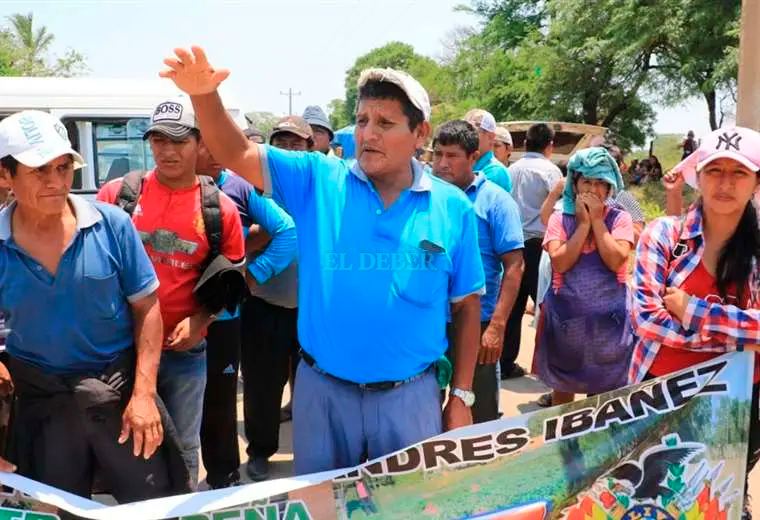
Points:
[(174, 158), (502, 151), (321, 138), (384, 142), (289, 141), (206, 164), (486, 141), (45, 189), (452, 164)]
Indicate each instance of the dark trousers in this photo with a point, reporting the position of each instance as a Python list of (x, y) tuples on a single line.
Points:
[(485, 382), (270, 342), (528, 287), (219, 437)]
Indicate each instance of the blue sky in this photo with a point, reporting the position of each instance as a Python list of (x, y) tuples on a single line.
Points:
[(269, 46)]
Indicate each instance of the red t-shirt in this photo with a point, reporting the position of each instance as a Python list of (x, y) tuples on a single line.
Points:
[(170, 223), (701, 284)]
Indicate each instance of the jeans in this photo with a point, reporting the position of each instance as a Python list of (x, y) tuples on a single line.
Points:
[(181, 385)]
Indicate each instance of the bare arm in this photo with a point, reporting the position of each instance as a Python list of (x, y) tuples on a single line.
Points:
[(193, 74), (614, 253), (514, 266), (466, 322), (547, 208), (148, 331), (141, 418), (564, 255), (226, 141)]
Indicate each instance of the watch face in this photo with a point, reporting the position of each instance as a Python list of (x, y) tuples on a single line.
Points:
[(467, 397)]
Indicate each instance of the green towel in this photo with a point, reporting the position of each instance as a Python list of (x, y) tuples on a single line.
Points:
[(444, 371), (593, 163)]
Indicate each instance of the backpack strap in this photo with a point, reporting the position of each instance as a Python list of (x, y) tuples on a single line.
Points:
[(212, 216), (131, 187)]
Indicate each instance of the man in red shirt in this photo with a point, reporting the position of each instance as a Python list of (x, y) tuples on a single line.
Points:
[(170, 221)]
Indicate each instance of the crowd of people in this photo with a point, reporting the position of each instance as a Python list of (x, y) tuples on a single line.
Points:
[(389, 293)]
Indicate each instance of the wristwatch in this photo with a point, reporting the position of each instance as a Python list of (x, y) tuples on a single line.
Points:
[(467, 396)]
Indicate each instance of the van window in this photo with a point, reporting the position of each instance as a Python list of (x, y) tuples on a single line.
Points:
[(118, 148)]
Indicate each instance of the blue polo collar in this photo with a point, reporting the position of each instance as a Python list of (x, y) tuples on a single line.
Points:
[(86, 214), (421, 181)]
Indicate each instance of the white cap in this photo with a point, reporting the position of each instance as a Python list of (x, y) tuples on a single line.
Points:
[(174, 118), (35, 138), (503, 136), (481, 119), (411, 87)]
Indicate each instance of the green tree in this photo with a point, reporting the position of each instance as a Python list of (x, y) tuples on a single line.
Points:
[(701, 55), (264, 122), (570, 60), (337, 114), (399, 56), (30, 47)]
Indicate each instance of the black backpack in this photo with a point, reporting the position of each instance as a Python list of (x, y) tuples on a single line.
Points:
[(131, 188)]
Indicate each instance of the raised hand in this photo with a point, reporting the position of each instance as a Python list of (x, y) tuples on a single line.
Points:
[(192, 73)]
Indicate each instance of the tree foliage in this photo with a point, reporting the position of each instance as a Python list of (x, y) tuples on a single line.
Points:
[(337, 114), (25, 50), (604, 62)]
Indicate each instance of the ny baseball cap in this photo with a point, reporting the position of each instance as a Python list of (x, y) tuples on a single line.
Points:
[(174, 118), (294, 125), (503, 136), (35, 138), (737, 143), (481, 119), (411, 87)]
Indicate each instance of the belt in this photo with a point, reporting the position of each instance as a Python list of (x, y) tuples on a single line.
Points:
[(374, 387)]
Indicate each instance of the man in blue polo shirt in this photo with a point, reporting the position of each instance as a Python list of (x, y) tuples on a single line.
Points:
[(487, 163), (500, 240), (85, 379), (384, 250), (219, 436)]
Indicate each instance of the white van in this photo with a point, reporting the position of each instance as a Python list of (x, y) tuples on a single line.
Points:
[(105, 119)]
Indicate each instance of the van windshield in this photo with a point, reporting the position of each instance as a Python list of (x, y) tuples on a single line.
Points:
[(119, 148)]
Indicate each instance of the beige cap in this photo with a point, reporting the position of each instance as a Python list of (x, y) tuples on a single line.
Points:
[(503, 136), (411, 87)]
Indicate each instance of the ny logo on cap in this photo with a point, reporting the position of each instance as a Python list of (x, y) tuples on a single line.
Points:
[(729, 141)]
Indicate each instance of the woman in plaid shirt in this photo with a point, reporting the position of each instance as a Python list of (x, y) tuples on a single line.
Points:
[(696, 285)]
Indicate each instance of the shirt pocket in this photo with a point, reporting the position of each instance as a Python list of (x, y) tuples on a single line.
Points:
[(424, 278), (102, 293)]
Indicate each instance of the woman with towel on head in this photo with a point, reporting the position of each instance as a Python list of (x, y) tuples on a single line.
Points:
[(585, 342)]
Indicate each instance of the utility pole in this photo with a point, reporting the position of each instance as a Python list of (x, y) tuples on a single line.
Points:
[(748, 110), (290, 95)]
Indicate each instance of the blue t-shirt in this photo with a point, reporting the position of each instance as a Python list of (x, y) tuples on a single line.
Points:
[(255, 209), (375, 283), (494, 171), (499, 232), (78, 321)]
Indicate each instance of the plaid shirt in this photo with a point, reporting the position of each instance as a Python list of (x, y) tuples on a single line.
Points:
[(665, 259)]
